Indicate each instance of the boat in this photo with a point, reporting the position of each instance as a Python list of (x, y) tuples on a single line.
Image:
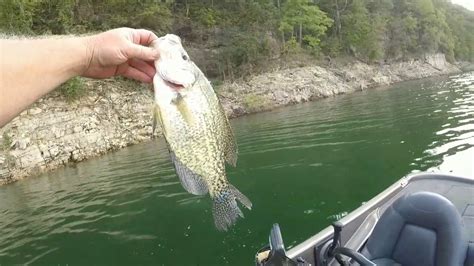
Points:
[(422, 219)]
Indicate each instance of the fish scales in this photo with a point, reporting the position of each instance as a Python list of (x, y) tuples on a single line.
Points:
[(197, 130)]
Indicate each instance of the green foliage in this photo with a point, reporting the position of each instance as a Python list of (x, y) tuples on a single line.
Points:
[(73, 89), (358, 34), (387, 29), (291, 46), (258, 15), (305, 20), (103, 15), (461, 23), (206, 16), (255, 103), (6, 142), (216, 84), (16, 16), (238, 38), (314, 44), (53, 17), (332, 46), (241, 54), (153, 16), (79, 16)]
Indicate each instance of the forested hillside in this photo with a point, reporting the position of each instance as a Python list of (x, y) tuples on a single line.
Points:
[(259, 55), (242, 36)]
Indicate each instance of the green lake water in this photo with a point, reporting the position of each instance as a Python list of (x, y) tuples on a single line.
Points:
[(302, 166)]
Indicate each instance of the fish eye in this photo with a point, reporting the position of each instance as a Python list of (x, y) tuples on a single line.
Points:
[(185, 57)]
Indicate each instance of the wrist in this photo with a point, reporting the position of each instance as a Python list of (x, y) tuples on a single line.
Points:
[(85, 48)]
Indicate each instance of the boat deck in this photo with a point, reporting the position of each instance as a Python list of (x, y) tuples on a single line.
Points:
[(459, 190)]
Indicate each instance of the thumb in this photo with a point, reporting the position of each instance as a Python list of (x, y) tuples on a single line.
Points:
[(142, 52)]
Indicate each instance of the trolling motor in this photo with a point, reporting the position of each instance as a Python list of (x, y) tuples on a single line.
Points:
[(274, 254)]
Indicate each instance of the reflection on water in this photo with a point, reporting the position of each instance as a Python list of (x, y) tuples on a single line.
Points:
[(455, 144), (302, 166)]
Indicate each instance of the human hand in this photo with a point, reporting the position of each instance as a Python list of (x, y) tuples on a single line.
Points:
[(121, 52)]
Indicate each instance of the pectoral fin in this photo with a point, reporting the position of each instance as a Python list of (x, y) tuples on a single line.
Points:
[(184, 109), (154, 122), (157, 119)]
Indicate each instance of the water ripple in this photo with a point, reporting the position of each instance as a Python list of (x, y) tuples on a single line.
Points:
[(128, 207)]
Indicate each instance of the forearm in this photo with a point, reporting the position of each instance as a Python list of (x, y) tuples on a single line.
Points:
[(32, 68)]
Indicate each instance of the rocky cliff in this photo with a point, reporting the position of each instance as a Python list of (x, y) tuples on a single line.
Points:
[(114, 114)]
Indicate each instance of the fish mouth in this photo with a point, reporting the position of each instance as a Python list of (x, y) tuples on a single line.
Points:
[(172, 85), (176, 78)]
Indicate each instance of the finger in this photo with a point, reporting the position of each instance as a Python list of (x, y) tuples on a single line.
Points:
[(144, 37), (151, 63), (143, 66), (137, 51), (133, 73)]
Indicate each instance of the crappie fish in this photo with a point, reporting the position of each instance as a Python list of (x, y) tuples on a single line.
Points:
[(198, 133)]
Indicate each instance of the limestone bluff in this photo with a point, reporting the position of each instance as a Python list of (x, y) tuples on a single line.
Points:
[(113, 114)]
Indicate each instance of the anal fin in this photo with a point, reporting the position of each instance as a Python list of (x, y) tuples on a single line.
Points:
[(192, 182)]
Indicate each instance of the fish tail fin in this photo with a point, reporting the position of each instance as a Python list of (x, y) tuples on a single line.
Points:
[(225, 209)]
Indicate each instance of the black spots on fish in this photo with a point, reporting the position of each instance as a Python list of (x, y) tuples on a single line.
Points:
[(229, 140), (218, 183), (225, 209), (201, 142), (185, 57), (192, 182)]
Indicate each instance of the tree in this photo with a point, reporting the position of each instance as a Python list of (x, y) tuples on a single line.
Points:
[(54, 17), (16, 16), (359, 34), (240, 36), (306, 21)]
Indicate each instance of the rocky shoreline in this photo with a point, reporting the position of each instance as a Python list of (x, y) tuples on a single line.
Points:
[(115, 114)]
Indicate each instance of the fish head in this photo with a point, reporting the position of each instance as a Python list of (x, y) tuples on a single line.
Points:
[(175, 72)]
